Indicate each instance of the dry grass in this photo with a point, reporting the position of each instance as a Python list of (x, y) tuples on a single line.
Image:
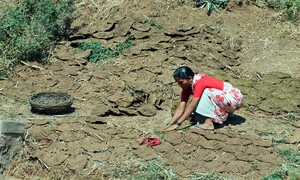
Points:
[(103, 8)]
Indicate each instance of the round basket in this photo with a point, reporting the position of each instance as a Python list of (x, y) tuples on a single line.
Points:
[(51, 102)]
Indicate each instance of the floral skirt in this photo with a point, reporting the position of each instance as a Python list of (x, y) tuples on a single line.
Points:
[(218, 104)]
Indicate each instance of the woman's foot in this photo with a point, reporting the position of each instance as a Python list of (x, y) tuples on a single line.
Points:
[(208, 124)]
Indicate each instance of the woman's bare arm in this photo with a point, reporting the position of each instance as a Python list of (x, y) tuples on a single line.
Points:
[(178, 113)]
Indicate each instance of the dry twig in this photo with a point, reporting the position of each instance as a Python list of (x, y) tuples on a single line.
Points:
[(35, 67), (98, 136)]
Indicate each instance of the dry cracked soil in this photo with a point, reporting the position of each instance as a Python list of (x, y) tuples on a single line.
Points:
[(122, 100)]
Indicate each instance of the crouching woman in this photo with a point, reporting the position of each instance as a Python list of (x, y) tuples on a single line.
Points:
[(212, 99)]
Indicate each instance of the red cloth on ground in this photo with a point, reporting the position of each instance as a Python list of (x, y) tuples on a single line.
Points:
[(151, 141)]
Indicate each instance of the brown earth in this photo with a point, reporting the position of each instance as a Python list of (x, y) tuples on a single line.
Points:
[(122, 100)]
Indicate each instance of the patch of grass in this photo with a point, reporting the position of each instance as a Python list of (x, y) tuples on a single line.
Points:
[(144, 171), (152, 22), (291, 156), (291, 117), (278, 173), (283, 172), (291, 8), (288, 30), (100, 53), (29, 29), (153, 170), (3, 74), (276, 138), (290, 170), (118, 173)]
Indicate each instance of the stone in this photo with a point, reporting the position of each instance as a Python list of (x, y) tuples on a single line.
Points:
[(12, 127), (141, 27), (10, 141), (147, 110)]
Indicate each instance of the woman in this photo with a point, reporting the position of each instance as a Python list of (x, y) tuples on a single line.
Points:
[(212, 99)]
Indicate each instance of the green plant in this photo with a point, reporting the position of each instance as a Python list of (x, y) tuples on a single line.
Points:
[(278, 173), (153, 170), (29, 29), (100, 53), (290, 7), (211, 5), (276, 140), (291, 117), (3, 75), (146, 171), (290, 170), (291, 155), (284, 172), (152, 22)]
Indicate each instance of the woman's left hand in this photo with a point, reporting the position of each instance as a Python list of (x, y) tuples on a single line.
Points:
[(170, 128)]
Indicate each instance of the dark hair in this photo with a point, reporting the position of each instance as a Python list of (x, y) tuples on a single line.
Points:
[(183, 72)]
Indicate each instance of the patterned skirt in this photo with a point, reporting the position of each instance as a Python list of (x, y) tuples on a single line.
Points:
[(218, 104)]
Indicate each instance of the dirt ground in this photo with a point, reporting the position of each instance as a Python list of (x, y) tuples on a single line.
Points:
[(122, 100)]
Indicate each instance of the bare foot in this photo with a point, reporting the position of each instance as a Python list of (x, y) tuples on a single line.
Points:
[(208, 124)]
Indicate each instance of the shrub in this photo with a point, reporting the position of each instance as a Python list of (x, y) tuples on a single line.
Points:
[(30, 28), (290, 7), (100, 53)]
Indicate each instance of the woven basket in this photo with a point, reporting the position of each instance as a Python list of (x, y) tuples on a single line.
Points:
[(51, 102)]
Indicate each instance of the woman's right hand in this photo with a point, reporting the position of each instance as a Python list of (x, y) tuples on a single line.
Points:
[(170, 128), (163, 129)]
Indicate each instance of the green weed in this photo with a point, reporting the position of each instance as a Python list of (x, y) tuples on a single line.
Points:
[(211, 5), (152, 22), (145, 171), (278, 173), (283, 172), (119, 173), (290, 170), (100, 53), (291, 156), (3, 75), (153, 170), (291, 117), (29, 29), (278, 140)]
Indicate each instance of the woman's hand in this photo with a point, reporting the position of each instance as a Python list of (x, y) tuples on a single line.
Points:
[(169, 128)]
